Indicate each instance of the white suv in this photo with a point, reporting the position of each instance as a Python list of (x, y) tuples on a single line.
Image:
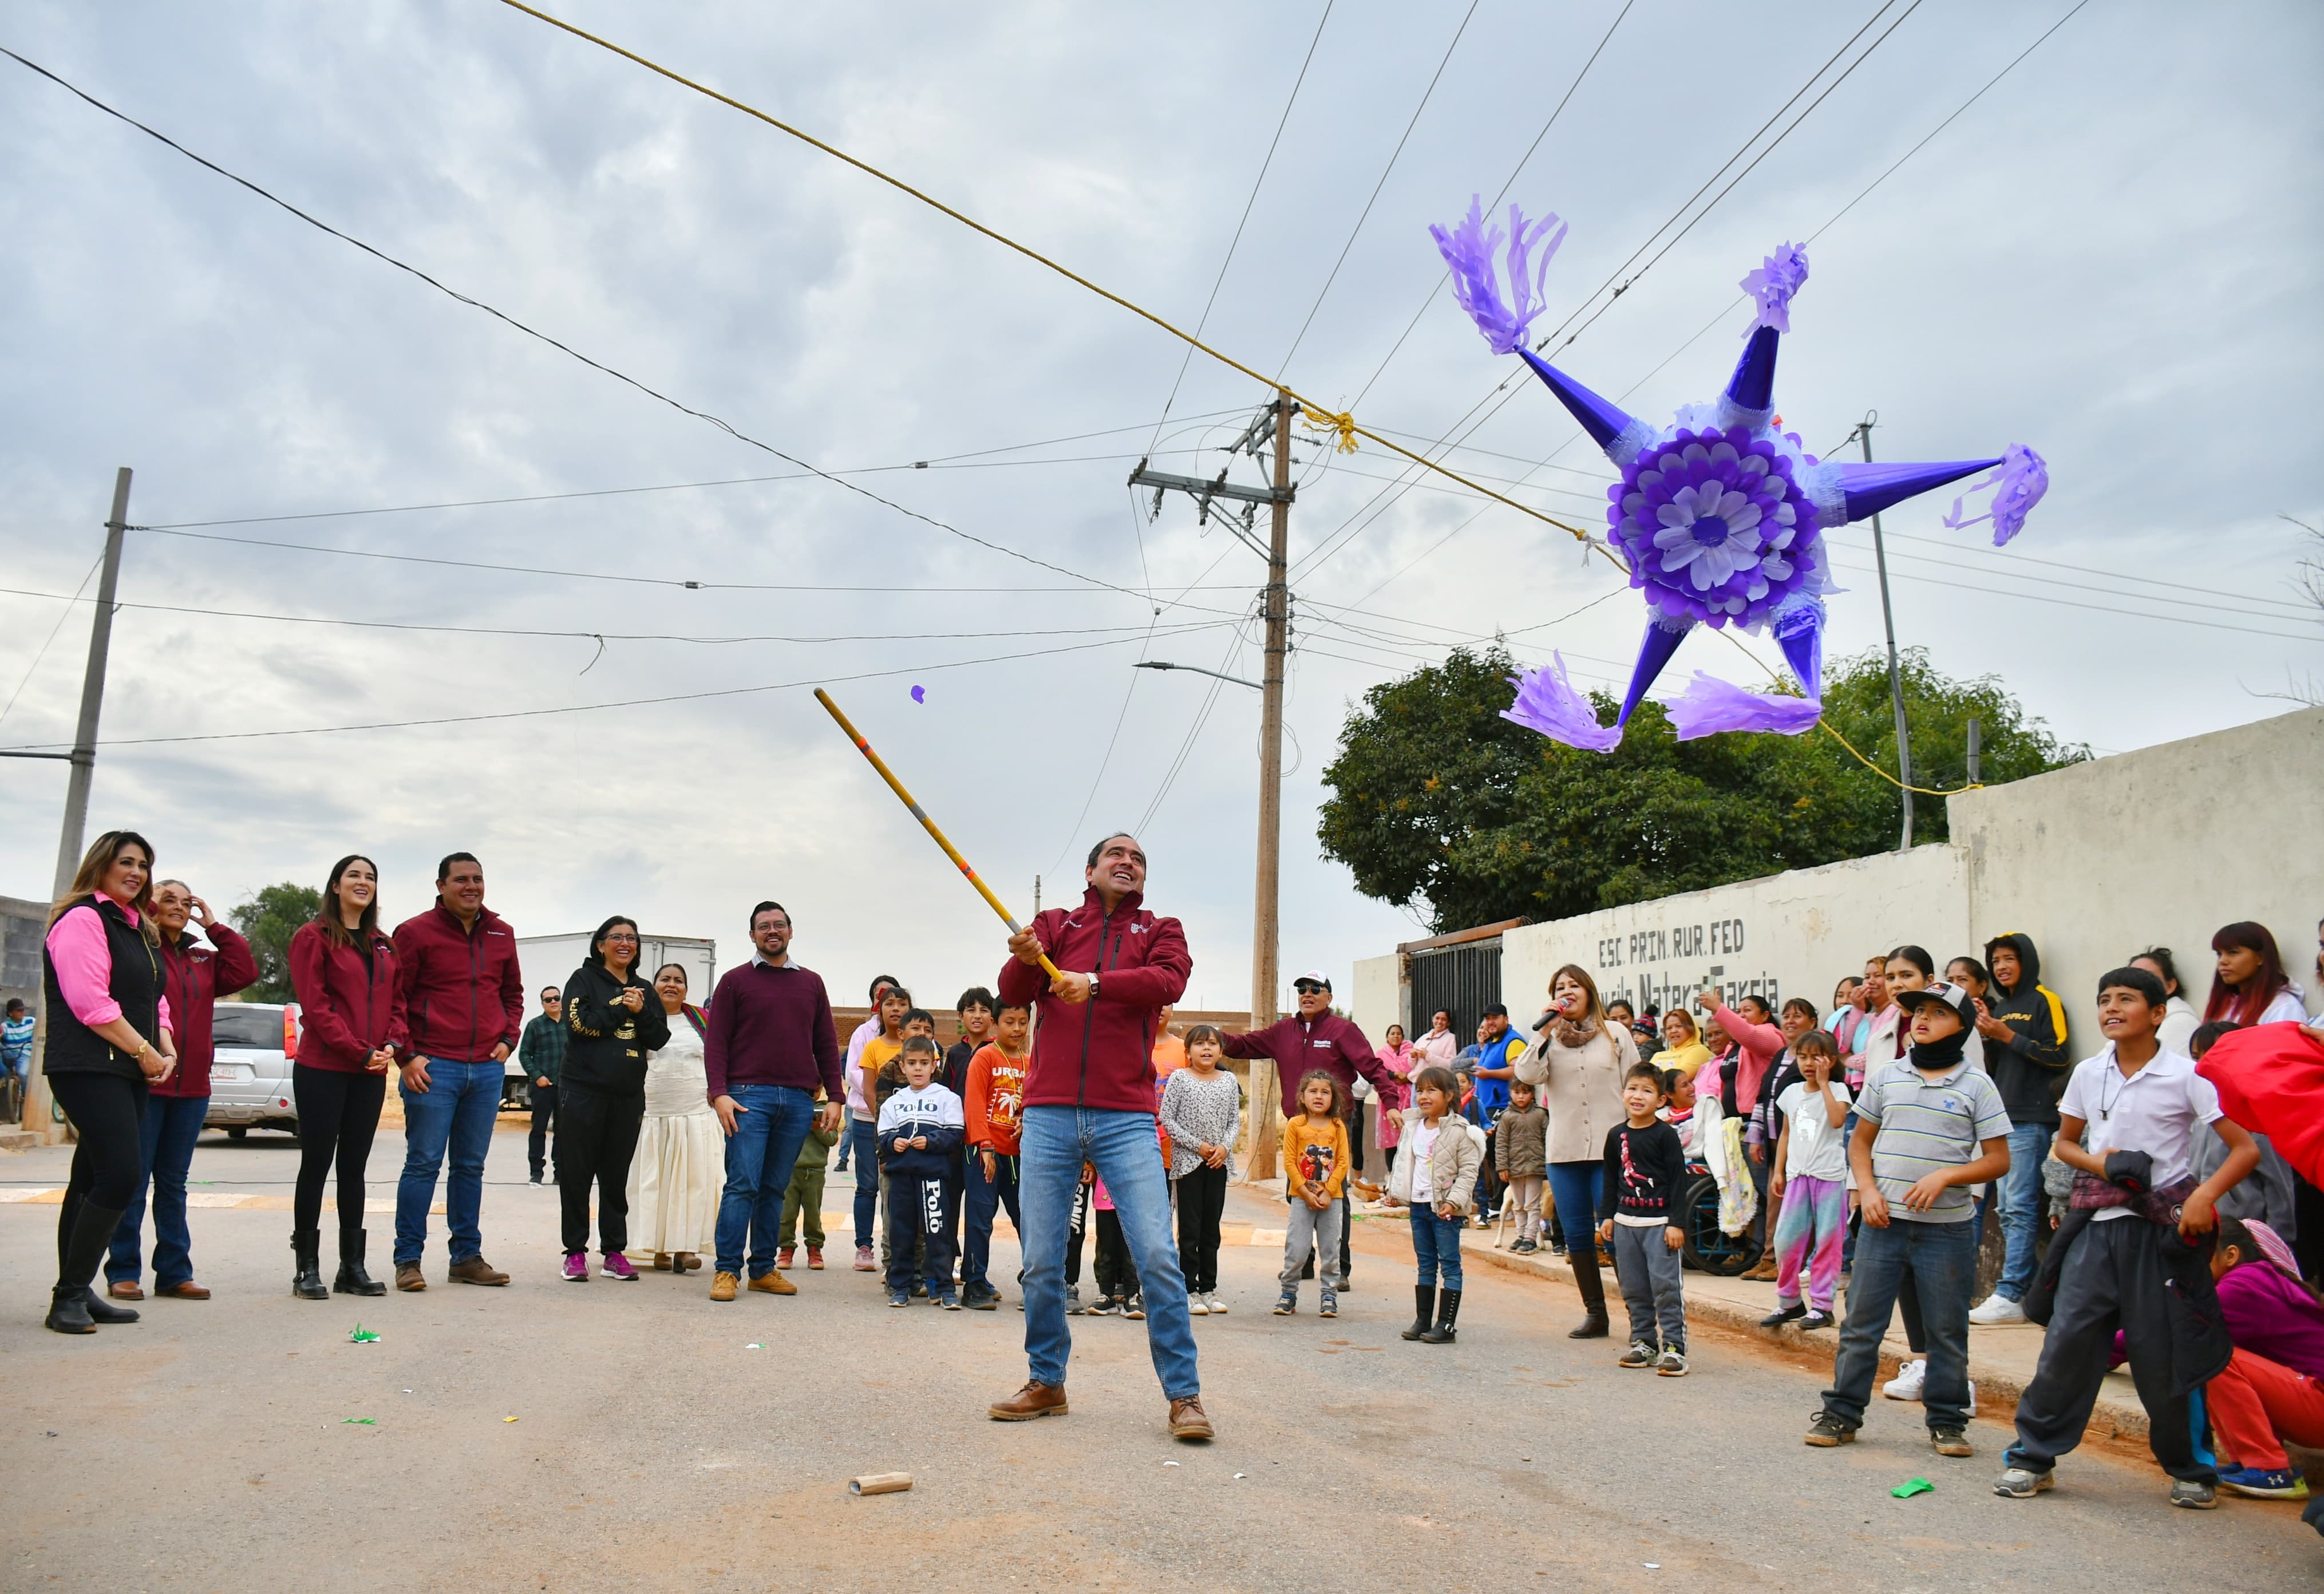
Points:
[(249, 1078)]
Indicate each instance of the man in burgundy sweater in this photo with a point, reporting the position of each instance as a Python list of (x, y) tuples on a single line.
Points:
[(1088, 1098), (770, 1045), (1317, 1040)]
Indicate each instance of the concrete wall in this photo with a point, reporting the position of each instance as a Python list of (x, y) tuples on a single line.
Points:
[(2161, 846), (1377, 1000), (2095, 862), (1784, 935)]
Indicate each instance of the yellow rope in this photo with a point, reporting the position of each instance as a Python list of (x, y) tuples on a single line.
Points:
[(1345, 425), (1826, 725)]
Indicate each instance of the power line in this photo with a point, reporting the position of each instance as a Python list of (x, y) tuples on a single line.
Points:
[(501, 315), (1514, 172), (1186, 360), (732, 691), (50, 639), (1393, 155)]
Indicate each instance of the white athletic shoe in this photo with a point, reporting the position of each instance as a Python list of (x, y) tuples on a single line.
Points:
[(1907, 1383), (1997, 1308), (1195, 1305), (1218, 1307)]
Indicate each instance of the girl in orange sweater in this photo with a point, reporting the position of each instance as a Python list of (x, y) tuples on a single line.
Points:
[(1315, 1155)]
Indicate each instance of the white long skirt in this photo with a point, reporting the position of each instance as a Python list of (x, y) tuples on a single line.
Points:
[(674, 1181)]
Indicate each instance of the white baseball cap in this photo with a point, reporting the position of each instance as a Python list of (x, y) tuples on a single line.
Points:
[(1313, 976)]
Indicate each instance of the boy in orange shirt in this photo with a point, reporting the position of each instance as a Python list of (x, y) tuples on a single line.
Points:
[(994, 1103), (1316, 1156)]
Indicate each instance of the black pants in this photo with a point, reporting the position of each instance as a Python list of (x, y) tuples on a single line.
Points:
[(597, 1136), (1076, 1229), (1116, 1277), (107, 1112), (337, 1115), (1355, 1134), (920, 1211), (538, 1147), (1202, 1198), (2113, 1279)]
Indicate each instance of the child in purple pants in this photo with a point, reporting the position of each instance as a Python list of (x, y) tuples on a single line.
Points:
[(1810, 1180)]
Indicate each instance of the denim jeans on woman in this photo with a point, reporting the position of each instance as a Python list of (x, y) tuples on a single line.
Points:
[(1055, 1143), (759, 1156), (170, 1126), (456, 1113), (2019, 1195), (1942, 1258)]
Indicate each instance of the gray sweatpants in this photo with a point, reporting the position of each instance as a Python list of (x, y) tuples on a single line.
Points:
[(1648, 1270), (1311, 1230)]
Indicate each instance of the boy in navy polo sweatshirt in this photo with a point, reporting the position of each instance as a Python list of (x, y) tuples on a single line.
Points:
[(920, 1126)]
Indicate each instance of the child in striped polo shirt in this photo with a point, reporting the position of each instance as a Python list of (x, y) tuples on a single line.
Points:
[(1929, 1128)]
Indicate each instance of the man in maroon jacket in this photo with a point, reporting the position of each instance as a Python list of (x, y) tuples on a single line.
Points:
[(193, 978), (1088, 1098), (1317, 1040), (462, 997)]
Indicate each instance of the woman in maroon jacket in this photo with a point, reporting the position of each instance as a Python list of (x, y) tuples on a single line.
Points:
[(342, 969), (193, 978)]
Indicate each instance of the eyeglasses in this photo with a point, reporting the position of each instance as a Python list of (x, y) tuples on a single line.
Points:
[(619, 940), (1309, 990)]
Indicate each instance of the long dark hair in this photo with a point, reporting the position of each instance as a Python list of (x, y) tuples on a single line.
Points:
[(597, 942), (333, 922), (2246, 1005)]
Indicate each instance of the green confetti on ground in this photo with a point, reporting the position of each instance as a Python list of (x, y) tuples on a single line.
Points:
[(1917, 1486), (366, 1422), (364, 1336)]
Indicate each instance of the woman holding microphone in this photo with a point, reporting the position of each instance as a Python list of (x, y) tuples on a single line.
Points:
[(343, 970), (1578, 1066), (109, 1042), (612, 1020)]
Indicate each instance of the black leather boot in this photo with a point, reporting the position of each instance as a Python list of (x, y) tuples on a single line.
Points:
[(306, 1279), (353, 1280), (1592, 1285), (73, 1307), (1424, 1310), (1448, 1312)]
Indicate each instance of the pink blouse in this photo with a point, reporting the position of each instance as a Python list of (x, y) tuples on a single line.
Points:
[(1402, 1060), (84, 963)]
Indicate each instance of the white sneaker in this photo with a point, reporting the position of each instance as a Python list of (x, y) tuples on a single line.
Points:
[(1997, 1308), (1906, 1385), (1195, 1305), (1218, 1307)]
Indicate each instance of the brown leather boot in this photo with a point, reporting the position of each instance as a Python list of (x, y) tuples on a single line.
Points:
[(773, 1284), (1188, 1420), (409, 1277), (189, 1291), (127, 1289), (475, 1270), (722, 1286), (1035, 1400)]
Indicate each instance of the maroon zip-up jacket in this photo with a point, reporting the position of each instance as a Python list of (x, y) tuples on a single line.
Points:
[(1100, 1054), (347, 1007), (461, 990), (194, 976), (1330, 1045)]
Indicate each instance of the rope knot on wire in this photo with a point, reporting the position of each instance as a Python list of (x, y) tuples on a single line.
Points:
[(1325, 421)]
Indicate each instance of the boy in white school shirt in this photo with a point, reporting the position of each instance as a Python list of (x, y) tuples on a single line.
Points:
[(2133, 1253)]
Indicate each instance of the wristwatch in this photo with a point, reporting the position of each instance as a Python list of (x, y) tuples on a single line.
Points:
[(1093, 985)]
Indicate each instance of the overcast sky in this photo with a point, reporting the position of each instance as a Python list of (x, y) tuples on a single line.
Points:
[(2111, 256)]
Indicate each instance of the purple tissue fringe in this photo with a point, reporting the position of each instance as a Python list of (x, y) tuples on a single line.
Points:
[(2019, 481), (1547, 703), (1468, 251), (1710, 707)]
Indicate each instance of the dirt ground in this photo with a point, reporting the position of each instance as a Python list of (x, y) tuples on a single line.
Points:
[(662, 1441)]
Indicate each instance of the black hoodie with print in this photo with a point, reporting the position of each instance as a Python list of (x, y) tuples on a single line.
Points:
[(2030, 1070)]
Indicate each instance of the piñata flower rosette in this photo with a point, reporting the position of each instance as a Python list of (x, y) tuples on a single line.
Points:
[(1716, 526)]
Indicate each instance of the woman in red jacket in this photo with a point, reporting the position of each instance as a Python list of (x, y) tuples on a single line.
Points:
[(342, 969)]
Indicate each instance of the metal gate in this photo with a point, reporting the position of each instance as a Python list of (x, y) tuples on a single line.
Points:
[(1463, 979)]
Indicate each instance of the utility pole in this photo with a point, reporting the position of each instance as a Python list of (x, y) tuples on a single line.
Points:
[(71, 839), (1896, 676), (1272, 423)]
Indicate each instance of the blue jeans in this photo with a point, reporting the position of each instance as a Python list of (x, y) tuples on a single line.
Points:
[(863, 1148), (457, 1111), (1577, 1189), (1436, 1247), (169, 1128), (2019, 1193), (759, 1156), (985, 1198), (1941, 1259), (1055, 1143)]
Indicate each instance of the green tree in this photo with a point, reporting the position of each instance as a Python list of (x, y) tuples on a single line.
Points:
[(1438, 804), (270, 920)]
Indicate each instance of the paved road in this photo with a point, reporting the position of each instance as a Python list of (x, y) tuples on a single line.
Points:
[(207, 1447)]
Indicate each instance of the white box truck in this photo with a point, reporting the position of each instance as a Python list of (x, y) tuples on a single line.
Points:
[(550, 959)]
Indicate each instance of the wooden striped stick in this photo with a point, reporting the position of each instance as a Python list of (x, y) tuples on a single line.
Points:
[(926, 824)]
